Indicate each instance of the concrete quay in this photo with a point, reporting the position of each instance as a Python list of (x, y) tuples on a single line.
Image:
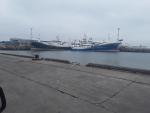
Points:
[(53, 87)]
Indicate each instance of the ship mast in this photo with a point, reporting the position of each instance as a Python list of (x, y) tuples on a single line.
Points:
[(57, 38), (31, 35), (118, 37)]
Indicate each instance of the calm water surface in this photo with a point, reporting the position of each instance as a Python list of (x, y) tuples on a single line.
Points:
[(134, 60)]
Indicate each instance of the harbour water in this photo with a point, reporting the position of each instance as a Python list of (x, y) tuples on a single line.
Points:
[(126, 59)]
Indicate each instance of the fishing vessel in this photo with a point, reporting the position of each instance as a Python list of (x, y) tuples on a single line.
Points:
[(50, 45), (81, 45), (89, 45)]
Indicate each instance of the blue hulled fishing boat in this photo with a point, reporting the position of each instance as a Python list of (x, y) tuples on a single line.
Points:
[(95, 46)]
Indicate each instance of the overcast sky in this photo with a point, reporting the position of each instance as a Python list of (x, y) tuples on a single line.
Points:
[(70, 19)]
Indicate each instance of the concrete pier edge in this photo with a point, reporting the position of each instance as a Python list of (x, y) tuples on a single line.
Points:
[(103, 66), (120, 68), (24, 56), (46, 59)]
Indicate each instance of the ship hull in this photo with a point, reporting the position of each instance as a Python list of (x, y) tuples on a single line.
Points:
[(110, 47), (43, 47)]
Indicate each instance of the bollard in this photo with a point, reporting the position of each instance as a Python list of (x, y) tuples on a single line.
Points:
[(36, 56)]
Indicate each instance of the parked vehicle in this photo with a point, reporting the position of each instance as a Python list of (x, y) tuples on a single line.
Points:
[(3, 100)]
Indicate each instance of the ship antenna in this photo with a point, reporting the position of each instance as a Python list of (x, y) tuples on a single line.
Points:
[(85, 35), (39, 38), (57, 37), (108, 36), (118, 33)]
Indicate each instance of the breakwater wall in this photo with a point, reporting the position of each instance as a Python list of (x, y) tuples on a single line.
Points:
[(120, 68), (134, 49), (57, 60)]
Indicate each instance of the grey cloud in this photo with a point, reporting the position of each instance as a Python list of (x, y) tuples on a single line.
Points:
[(72, 18)]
